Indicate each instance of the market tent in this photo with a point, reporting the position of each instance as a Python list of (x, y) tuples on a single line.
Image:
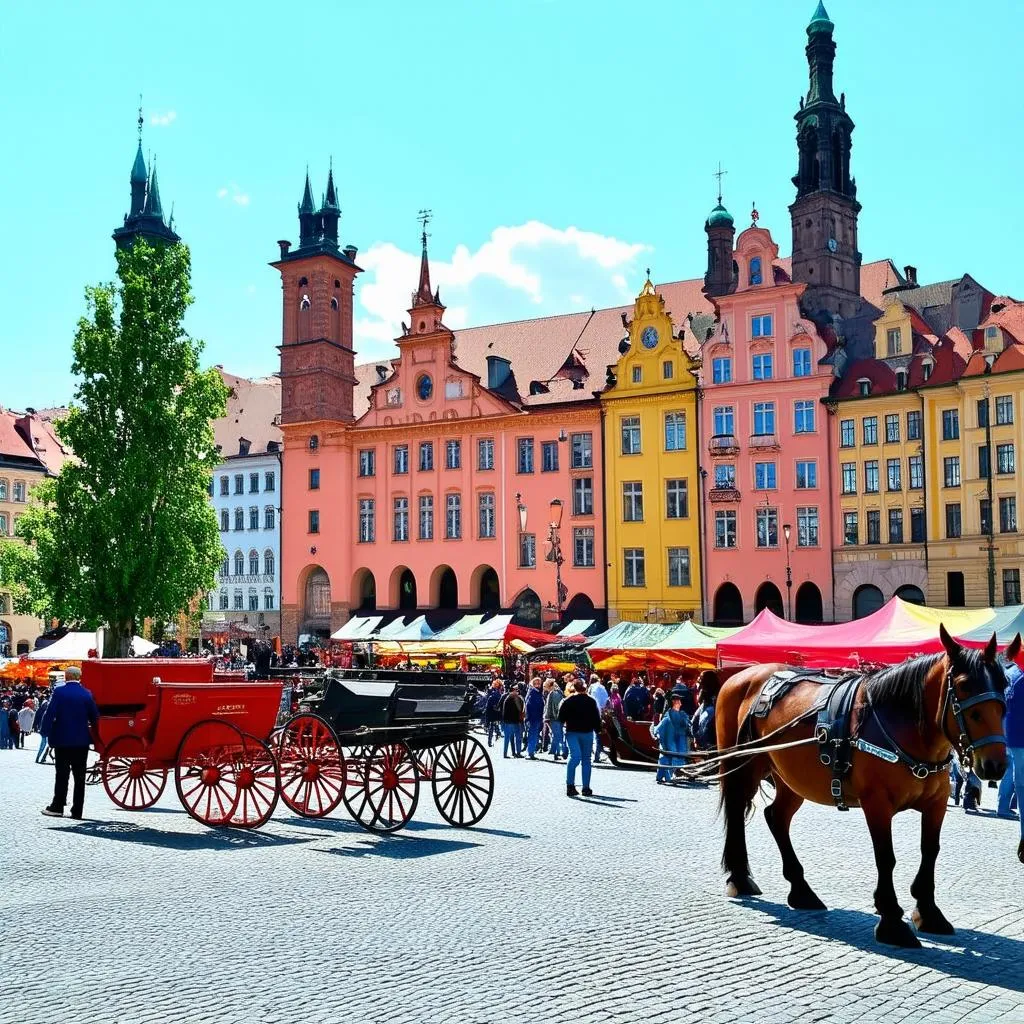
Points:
[(636, 645), (470, 635), (358, 627), (577, 627), (76, 647), (1006, 623), (895, 632)]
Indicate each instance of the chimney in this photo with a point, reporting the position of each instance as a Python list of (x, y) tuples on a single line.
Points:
[(285, 246), (498, 371), (910, 273), (350, 251), (244, 444)]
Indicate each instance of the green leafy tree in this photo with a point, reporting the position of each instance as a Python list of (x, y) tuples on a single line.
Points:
[(19, 559), (126, 532)]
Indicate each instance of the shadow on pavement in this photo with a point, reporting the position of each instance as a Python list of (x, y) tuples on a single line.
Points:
[(214, 839), (400, 847), (981, 957), (348, 825)]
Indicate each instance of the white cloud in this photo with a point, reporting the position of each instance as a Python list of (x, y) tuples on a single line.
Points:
[(526, 270), (251, 289), (234, 193), (163, 120)]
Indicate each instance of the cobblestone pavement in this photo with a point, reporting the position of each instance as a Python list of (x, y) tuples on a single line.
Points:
[(608, 909)]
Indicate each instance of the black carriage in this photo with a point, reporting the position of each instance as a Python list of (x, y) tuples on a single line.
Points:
[(370, 737)]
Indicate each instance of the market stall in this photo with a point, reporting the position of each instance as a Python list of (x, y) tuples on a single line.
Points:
[(639, 646)]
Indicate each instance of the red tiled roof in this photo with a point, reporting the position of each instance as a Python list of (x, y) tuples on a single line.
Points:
[(1011, 358), (12, 444), (881, 375), (254, 412), (1008, 317)]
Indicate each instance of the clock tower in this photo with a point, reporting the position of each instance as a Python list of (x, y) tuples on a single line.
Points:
[(825, 253)]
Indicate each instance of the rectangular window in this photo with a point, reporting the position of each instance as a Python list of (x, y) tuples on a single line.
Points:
[(426, 456), (953, 519), (583, 547), (254, 518), (914, 425), (238, 601), (426, 517), (676, 500), (367, 521), (806, 475), (486, 511), (725, 529), (453, 516), (869, 427), (524, 457), (806, 527), (239, 519), (892, 475), (874, 520), (725, 475), (549, 457), (1006, 461), (485, 454), (764, 418), (767, 527), (453, 455), (254, 602), (224, 602), (582, 446), (634, 574), (314, 521), (917, 526), (871, 476), (638, 374), (950, 425), (269, 517), (723, 419), (1004, 410), (761, 326), (762, 366), (667, 370), (678, 567), (1007, 515), (892, 427), (801, 362), (915, 464), (849, 478), (367, 462), (1011, 586), (893, 342), (527, 551), (254, 483), (401, 459), (850, 531), (764, 476), (721, 370), (630, 429), (225, 520), (803, 417), (951, 471), (583, 496), (314, 479), (982, 412), (224, 486), (675, 431), (632, 502), (985, 515), (846, 434), (401, 519), (895, 526), (239, 483), (269, 482), (984, 462), (268, 602)]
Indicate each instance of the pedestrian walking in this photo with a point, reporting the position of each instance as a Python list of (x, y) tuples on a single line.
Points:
[(26, 718), (579, 715), (71, 721), (15, 726), (492, 716), (1014, 777), (513, 712), (673, 735), (534, 717), (599, 692), (40, 728), (5, 726), (554, 700)]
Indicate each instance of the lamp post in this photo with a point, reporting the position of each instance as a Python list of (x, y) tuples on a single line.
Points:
[(786, 530), (555, 553)]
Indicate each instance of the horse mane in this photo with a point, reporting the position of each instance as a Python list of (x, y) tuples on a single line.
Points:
[(901, 687)]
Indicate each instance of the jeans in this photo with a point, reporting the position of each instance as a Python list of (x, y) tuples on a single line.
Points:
[(1013, 779), (513, 734), (41, 755), (580, 746), (70, 760), (558, 747), (597, 745), (493, 731), (532, 738)]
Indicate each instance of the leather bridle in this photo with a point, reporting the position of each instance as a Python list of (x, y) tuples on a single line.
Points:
[(966, 745)]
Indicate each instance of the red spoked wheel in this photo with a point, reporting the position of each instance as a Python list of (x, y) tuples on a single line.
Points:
[(354, 793), (127, 777), (206, 773), (258, 780), (313, 775), (463, 782), (391, 789)]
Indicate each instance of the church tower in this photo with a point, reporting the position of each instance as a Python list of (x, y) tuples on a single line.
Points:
[(720, 277), (145, 216), (825, 253), (318, 375)]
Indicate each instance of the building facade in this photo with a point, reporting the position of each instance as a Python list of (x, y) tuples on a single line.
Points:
[(651, 439)]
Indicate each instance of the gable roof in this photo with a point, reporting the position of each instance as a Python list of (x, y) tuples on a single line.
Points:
[(253, 412)]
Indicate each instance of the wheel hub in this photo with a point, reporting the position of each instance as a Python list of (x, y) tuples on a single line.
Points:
[(136, 769), (246, 777), (311, 772), (390, 779), (210, 775), (460, 777)]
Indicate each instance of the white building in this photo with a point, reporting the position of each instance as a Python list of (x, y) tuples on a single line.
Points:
[(246, 494)]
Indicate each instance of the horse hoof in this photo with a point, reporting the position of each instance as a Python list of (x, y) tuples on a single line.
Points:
[(931, 923), (896, 933), (743, 887), (805, 899)]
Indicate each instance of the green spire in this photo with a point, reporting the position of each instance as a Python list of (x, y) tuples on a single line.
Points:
[(306, 206), (821, 21), (153, 207), (139, 174), (331, 200)]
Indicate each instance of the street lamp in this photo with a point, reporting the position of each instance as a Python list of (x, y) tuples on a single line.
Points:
[(786, 530), (555, 554)]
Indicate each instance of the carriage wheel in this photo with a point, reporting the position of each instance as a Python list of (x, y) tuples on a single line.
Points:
[(129, 781), (259, 784), (206, 772), (463, 782), (391, 789), (313, 773), (354, 793), (94, 769)]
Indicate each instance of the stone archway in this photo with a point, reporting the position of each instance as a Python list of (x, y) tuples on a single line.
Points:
[(808, 608), (316, 615), (364, 592), (910, 594), (728, 605), (526, 609), (768, 596), (444, 588), (486, 588), (407, 591)]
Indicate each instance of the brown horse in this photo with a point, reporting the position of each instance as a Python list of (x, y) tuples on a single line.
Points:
[(910, 718)]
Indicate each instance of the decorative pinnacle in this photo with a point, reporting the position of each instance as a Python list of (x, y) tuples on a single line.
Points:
[(424, 217), (140, 119), (719, 174)]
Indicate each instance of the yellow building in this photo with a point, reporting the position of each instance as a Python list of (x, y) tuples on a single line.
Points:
[(651, 479)]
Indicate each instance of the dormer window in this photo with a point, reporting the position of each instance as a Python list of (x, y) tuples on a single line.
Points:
[(243, 445), (927, 368), (864, 387), (894, 342), (755, 271), (901, 380)]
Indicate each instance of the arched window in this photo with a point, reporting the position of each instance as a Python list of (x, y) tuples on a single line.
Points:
[(239, 563), (268, 517), (334, 304), (254, 563), (254, 600), (225, 569), (3, 490), (304, 303), (755, 270), (268, 562)]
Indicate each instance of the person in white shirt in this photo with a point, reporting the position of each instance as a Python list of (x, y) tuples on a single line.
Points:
[(600, 694)]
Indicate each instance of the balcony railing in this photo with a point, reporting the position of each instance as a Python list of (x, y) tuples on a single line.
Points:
[(723, 444), (764, 443), (723, 494)]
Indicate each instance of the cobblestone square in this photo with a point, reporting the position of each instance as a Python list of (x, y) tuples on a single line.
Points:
[(608, 909)]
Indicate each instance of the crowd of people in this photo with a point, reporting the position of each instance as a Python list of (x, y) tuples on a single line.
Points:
[(22, 707)]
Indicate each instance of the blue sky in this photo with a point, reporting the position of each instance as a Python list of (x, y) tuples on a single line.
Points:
[(563, 146)]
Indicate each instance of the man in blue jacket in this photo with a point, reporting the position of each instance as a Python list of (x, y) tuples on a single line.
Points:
[(534, 717), (69, 724), (1014, 777)]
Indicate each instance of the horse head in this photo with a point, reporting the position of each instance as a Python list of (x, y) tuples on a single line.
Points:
[(973, 708)]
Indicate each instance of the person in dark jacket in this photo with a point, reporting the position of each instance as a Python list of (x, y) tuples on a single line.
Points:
[(513, 711), (579, 715), (43, 743), (534, 717), (636, 700), (70, 722), (492, 716), (1014, 777)]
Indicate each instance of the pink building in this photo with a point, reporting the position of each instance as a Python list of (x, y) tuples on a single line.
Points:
[(765, 461)]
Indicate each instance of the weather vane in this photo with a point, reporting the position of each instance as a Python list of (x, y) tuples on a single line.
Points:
[(754, 215), (719, 174), (424, 217), (140, 117)]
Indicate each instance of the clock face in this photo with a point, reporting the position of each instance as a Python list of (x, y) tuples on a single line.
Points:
[(832, 245), (424, 387), (650, 337)]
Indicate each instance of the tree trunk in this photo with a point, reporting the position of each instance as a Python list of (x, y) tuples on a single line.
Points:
[(117, 640)]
